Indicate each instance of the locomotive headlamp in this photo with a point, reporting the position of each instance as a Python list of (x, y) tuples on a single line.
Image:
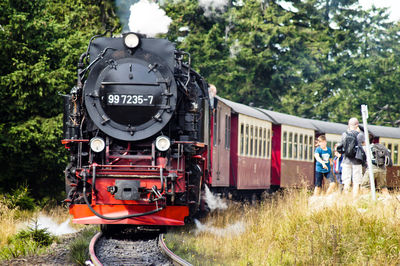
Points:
[(131, 40), (97, 144), (163, 143)]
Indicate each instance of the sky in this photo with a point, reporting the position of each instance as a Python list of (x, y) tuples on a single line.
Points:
[(394, 6)]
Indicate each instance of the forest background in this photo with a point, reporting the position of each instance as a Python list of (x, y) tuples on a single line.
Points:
[(320, 59)]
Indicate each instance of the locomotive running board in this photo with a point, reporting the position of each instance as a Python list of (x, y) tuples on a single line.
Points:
[(169, 216)]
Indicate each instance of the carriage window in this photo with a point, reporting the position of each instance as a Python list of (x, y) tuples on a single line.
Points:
[(305, 147), (255, 141), (247, 139), (301, 147), (295, 146), (215, 132), (264, 143), (310, 148), (389, 146), (260, 142), (251, 140), (241, 138), (227, 131), (329, 145), (290, 155), (396, 154), (284, 148), (230, 132), (269, 143)]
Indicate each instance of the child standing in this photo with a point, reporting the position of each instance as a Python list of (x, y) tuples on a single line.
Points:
[(337, 168), (323, 156)]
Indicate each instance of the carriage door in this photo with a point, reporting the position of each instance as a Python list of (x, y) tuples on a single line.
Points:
[(221, 153)]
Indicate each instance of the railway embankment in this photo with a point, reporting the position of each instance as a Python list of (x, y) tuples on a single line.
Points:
[(295, 227)]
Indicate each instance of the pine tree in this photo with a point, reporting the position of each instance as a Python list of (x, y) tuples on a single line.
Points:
[(41, 42)]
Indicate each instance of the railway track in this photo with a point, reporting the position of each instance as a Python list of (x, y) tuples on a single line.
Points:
[(144, 248)]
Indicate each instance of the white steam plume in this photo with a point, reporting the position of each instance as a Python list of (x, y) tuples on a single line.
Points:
[(148, 18), (230, 230), (46, 222), (214, 202)]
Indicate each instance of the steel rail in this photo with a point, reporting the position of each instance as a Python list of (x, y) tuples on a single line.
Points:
[(175, 258), (92, 252)]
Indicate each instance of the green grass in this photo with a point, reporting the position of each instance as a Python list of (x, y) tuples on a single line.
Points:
[(16, 210), (292, 229), (79, 248), (26, 242)]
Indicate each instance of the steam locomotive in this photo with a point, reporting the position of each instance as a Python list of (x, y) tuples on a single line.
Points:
[(137, 128), (142, 148)]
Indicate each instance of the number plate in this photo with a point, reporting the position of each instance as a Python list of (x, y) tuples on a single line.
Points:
[(130, 99)]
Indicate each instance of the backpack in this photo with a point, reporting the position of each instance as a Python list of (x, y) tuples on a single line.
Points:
[(381, 155), (350, 145)]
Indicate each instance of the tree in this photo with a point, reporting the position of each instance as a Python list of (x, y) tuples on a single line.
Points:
[(318, 60), (41, 42), (342, 72)]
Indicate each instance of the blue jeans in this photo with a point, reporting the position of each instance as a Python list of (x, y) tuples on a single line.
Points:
[(319, 176), (339, 178)]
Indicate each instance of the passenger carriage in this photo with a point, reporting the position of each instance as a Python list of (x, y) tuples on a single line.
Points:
[(241, 147), (292, 150)]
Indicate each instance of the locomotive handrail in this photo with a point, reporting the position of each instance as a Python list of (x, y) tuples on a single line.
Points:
[(129, 83), (66, 141), (146, 157), (100, 56), (128, 165), (198, 144)]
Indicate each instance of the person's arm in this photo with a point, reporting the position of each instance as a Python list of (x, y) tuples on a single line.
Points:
[(361, 138), (318, 158), (330, 160)]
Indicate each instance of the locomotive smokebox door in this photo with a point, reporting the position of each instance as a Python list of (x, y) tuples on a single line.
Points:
[(127, 190), (131, 96)]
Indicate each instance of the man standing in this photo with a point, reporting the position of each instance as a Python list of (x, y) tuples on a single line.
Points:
[(380, 160), (352, 167)]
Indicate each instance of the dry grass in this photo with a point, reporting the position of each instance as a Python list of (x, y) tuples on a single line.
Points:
[(8, 221), (295, 228), (12, 220)]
